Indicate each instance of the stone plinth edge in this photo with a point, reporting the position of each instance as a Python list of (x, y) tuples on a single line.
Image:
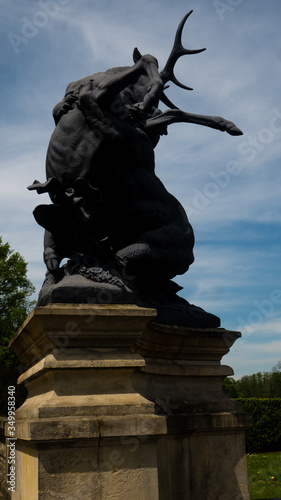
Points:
[(182, 371), (185, 343), (78, 325)]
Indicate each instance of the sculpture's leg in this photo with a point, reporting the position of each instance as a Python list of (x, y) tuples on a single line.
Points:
[(109, 87), (151, 263), (165, 252), (51, 258), (179, 116)]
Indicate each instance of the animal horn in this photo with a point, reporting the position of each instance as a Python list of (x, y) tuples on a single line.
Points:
[(167, 73)]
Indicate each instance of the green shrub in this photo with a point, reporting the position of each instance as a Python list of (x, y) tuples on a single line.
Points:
[(265, 435)]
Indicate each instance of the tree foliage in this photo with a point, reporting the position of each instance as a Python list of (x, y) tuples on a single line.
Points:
[(260, 385), (15, 304), (257, 385), (229, 386)]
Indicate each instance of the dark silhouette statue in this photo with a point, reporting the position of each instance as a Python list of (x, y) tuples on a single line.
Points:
[(124, 235)]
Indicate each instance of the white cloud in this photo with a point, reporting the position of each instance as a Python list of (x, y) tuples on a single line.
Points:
[(238, 77), (252, 358)]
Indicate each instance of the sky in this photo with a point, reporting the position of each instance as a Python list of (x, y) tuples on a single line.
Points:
[(229, 186)]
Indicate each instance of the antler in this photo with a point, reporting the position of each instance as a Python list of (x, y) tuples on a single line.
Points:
[(167, 73)]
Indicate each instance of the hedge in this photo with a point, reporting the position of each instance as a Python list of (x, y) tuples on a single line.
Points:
[(265, 435)]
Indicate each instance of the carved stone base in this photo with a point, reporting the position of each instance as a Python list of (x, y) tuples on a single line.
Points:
[(122, 408), (84, 431), (202, 455)]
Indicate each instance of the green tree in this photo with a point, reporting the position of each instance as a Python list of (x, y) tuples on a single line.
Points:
[(256, 385), (15, 304), (275, 381), (277, 367), (261, 385), (229, 387)]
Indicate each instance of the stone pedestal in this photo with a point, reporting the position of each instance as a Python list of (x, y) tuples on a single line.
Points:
[(84, 431), (202, 455), (120, 407)]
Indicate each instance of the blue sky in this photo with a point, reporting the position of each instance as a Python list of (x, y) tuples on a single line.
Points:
[(229, 186)]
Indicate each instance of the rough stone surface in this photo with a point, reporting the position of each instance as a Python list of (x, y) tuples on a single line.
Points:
[(104, 471), (208, 465), (184, 365), (78, 325), (203, 453)]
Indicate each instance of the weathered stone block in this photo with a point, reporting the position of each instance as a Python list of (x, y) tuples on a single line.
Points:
[(120, 407)]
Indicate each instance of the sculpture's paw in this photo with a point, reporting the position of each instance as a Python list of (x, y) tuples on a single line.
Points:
[(227, 126), (233, 130)]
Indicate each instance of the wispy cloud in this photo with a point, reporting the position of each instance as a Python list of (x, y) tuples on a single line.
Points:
[(237, 226)]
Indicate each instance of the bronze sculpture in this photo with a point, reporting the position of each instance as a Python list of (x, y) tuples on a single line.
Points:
[(125, 236)]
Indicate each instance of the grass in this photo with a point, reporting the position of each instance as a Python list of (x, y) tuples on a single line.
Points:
[(264, 470)]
